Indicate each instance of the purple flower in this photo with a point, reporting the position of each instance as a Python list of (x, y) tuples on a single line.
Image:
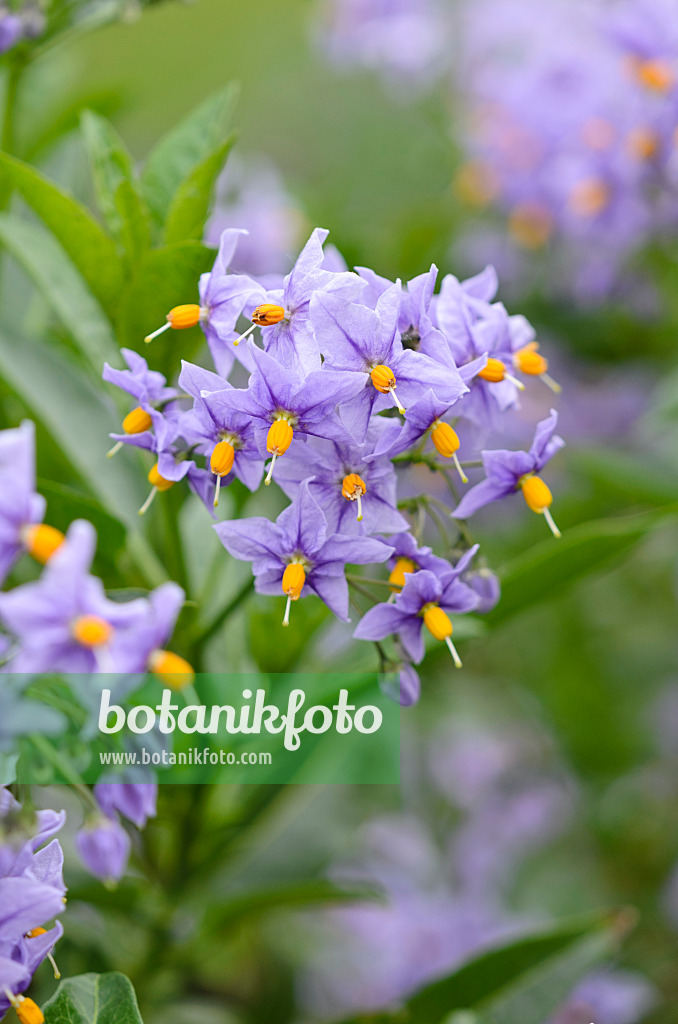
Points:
[(608, 997), (425, 415), (424, 600), (20, 506), (11, 30), (152, 394), (405, 40), (290, 335), (408, 557), (213, 422), (285, 405), (357, 493), (487, 587), (366, 346), (104, 848), (136, 801), (402, 685), (223, 297), (508, 471), (65, 623), (296, 556), (31, 894), (251, 194)]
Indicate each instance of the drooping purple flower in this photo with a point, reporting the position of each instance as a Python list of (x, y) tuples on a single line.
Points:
[(402, 685), (487, 587), (104, 848), (425, 599), (213, 421), (135, 801), (365, 344), (356, 493), (425, 415), (65, 623), (508, 472), (284, 405), (148, 387), (20, 506), (296, 556)]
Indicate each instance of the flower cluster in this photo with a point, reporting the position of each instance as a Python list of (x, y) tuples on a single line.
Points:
[(32, 894), (572, 119), (64, 621), (355, 377)]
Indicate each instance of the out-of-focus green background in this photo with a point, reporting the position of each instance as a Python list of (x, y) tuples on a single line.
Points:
[(589, 661)]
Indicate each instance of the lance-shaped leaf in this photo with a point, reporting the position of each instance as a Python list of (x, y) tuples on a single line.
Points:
[(167, 277), (191, 203), (182, 149), (94, 999), (548, 568), (88, 246), (53, 273), (115, 184)]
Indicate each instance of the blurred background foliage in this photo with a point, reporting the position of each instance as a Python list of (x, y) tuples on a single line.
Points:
[(582, 647)]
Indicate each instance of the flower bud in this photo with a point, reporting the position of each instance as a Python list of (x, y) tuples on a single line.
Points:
[(494, 371), (279, 437), (42, 541), (158, 481), (536, 494), (267, 314), (445, 439), (397, 577), (171, 669), (221, 461), (437, 622), (293, 580), (137, 421), (91, 630)]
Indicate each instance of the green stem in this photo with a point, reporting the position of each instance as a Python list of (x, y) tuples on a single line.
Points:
[(8, 138), (217, 622)]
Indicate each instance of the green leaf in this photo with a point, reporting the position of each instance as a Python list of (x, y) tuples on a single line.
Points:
[(634, 479), (79, 417), (539, 993), (550, 567), (114, 180), (64, 504), (135, 231), (167, 277), (91, 250), (292, 894), (53, 273), (94, 999), (191, 203), (501, 979), (182, 149)]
